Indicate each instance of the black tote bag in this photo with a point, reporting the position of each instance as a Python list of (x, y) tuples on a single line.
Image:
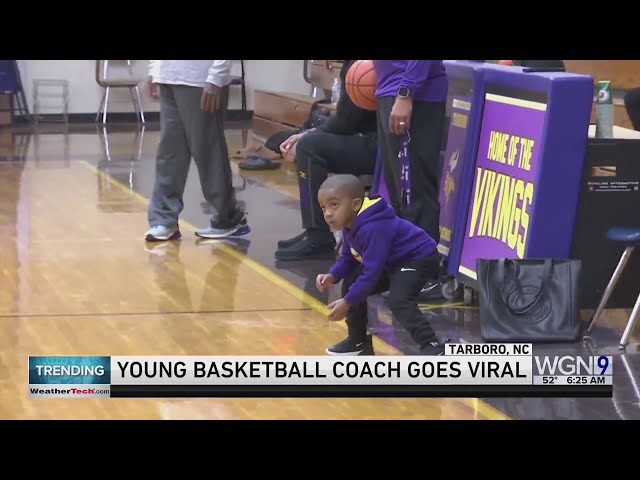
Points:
[(529, 300)]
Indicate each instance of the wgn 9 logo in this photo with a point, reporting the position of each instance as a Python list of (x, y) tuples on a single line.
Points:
[(573, 365)]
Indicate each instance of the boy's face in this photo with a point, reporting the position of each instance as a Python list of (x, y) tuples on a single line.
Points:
[(338, 208)]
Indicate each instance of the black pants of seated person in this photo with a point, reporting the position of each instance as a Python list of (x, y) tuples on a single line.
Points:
[(318, 154)]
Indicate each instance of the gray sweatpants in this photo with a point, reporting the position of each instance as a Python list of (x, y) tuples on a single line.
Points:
[(187, 131)]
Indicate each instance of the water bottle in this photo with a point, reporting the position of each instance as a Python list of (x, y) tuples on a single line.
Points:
[(604, 110), (335, 91)]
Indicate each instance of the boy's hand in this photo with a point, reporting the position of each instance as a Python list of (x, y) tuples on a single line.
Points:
[(339, 310), (324, 281)]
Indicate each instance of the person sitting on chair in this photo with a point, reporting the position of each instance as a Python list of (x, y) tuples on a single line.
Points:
[(632, 106), (345, 143)]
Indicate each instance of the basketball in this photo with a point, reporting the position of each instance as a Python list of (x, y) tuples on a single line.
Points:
[(360, 84)]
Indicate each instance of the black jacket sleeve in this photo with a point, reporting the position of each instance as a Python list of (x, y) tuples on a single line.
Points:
[(349, 119)]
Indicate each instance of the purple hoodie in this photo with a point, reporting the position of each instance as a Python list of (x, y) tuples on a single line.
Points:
[(380, 240), (426, 78)]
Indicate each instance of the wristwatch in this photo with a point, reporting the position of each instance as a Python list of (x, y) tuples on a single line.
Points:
[(404, 92)]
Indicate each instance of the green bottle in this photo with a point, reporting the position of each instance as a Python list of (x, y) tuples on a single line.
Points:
[(604, 110)]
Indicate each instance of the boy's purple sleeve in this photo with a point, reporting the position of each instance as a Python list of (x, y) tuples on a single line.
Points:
[(345, 263), (375, 251)]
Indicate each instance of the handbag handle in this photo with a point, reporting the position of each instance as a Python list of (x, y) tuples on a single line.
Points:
[(501, 269), (543, 282)]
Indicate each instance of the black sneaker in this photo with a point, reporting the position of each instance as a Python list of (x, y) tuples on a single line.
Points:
[(349, 346), (433, 348), (291, 241), (223, 230), (307, 249)]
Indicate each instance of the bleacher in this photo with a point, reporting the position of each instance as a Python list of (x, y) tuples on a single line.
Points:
[(277, 111)]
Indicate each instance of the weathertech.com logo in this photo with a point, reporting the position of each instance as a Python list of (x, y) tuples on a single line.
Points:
[(68, 391), (69, 377)]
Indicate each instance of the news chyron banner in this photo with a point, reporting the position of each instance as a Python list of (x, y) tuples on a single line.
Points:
[(466, 370)]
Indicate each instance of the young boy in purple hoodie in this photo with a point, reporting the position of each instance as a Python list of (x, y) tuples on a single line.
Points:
[(380, 252)]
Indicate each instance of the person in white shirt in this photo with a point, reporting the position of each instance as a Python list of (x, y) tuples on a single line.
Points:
[(192, 125)]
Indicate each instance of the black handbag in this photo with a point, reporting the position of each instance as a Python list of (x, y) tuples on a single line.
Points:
[(529, 300)]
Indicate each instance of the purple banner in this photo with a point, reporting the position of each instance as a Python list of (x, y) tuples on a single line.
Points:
[(501, 203), (451, 171)]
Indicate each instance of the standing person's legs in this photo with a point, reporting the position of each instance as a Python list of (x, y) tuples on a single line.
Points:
[(427, 125), (317, 154), (389, 147), (205, 132), (427, 122), (172, 167)]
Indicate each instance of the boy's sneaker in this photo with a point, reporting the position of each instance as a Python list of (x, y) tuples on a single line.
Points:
[(160, 233), (433, 348), (349, 346), (218, 230)]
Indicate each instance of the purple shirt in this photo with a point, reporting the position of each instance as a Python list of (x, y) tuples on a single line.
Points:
[(427, 79)]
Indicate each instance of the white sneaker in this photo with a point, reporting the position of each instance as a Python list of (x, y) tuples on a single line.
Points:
[(161, 234), (218, 231)]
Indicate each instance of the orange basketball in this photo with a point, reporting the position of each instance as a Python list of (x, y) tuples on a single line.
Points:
[(360, 84)]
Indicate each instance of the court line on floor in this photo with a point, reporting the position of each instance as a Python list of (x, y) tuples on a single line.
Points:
[(272, 277), (483, 408), (435, 306), (131, 314)]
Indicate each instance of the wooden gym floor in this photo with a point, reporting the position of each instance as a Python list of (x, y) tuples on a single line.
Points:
[(78, 279)]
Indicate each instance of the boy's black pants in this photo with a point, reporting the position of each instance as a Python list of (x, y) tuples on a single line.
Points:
[(404, 284)]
